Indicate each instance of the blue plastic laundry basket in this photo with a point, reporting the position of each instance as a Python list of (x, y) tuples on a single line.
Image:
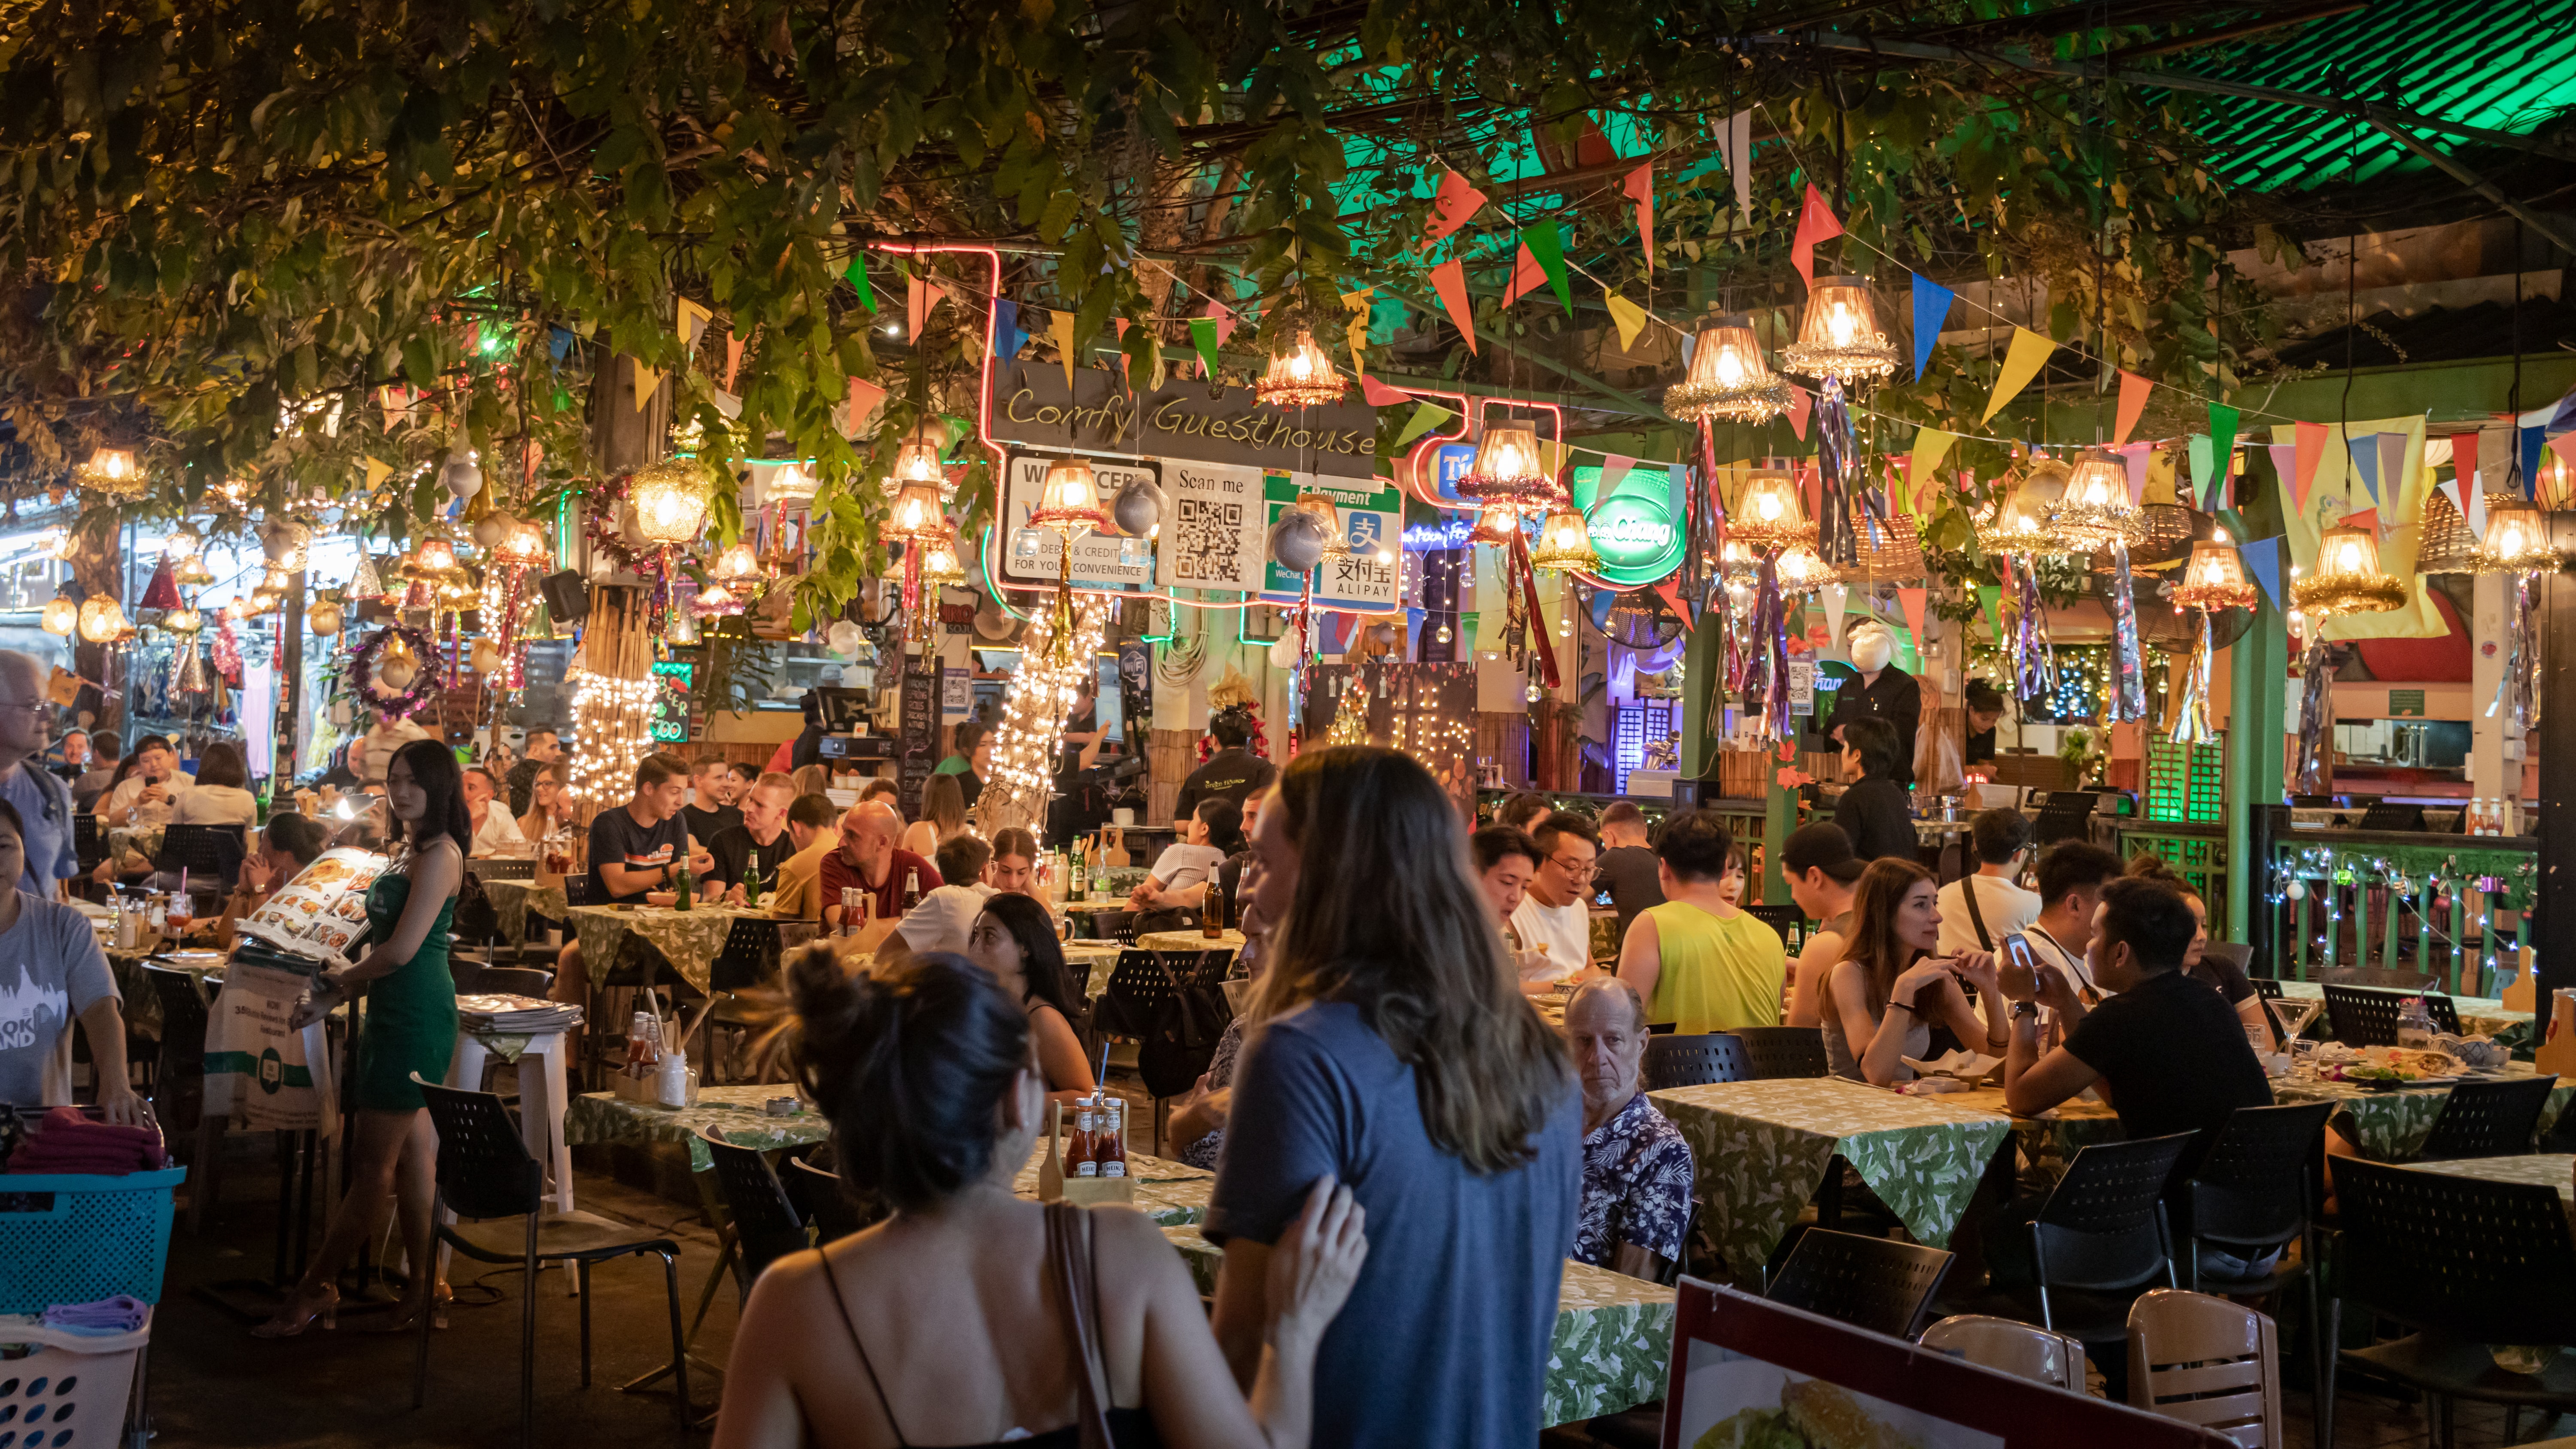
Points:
[(77, 1238)]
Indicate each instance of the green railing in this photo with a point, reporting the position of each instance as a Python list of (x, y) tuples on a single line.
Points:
[(2450, 906), (2197, 853)]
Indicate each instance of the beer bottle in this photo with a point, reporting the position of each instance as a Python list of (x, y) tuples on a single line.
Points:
[(1082, 1161), (911, 890), (751, 885), (1077, 885), (683, 884), (1212, 907)]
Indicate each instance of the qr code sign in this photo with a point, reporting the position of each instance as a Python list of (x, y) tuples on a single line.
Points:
[(1206, 535)]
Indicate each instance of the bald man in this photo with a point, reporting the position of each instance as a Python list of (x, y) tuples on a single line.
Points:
[(42, 800), (868, 859)]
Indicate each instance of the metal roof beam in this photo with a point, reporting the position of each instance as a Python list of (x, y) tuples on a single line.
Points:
[(2548, 226)]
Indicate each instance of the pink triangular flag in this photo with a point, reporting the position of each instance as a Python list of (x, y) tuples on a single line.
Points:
[(2133, 402), (1449, 280), (863, 399), (2285, 462), (1800, 404), (1451, 209), (1527, 276), (2392, 467), (2311, 447), (1640, 188), (1224, 316), (1614, 466), (918, 299), (1816, 223), (2136, 456), (1380, 395), (1914, 601), (1811, 486)]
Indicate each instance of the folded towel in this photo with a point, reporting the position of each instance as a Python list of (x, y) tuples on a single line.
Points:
[(120, 1314), (68, 1142)]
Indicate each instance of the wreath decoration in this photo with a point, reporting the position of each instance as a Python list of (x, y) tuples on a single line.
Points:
[(607, 535), (388, 702)]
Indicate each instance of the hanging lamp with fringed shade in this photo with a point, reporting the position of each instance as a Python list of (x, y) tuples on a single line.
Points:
[(2017, 524), (917, 461), (2347, 578), (670, 499), (1069, 501), (112, 474), (1840, 335), (941, 566), (2517, 539), (2094, 511), (1803, 571), (1769, 514), (1564, 545), (1300, 375), (738, 568), (1320, 506), (61, 616), (1729, 381), (2214, 579), (102, 619), (916, 513), (1507, 471)]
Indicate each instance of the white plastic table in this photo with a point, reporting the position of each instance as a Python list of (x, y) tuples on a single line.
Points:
[(542, 1098)]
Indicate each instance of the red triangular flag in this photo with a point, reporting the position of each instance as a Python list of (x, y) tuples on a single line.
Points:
[(2464, 458), (2367, 518), (1914, 601), (2133, 401), (2311, 449), (1816, 223), (1640, 187), (1224, 319), (1449, 280), (1380, 395), (1451, 209), (1665, 589), (1527, 276), (1799, 406)]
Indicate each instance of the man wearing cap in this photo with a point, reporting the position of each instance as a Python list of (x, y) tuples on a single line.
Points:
[(1818, 863)]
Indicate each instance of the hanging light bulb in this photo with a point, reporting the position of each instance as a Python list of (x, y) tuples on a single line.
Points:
[(1803, 571), (738, 568), (101, 619), (1840, 337), (111, 473), (1301, 376), (434, 555), (2094, 511), (917, 461), (1506, 471), (1564, 545), (916, 512), (61, 616), (2017, 525), (189, 621), (670, 501), (1729, 381), (940, 565), (2347, 579), (183, 543), (2516, 540), (1770, 514), (524, 545)]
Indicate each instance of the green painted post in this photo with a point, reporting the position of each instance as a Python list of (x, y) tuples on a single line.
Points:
[(1779, 818), (2257, 668)]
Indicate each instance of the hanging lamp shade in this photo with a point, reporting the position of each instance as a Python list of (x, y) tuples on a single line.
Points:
[(1729, 382), (1496, 527), (189, 621), (670, 500), (940, 565), (192, 573), (1507, 472), (61, 617), (364, 582), (1299, 376), (111, 473), (917, 461), (2214, 579), (2517, 539), (916, 512), (1069, 502), (1770, 514), (1840, 336), (1337, 540), (738, 568), (183, 542), (435, 555), (717, 599), (2347, 578), (2018, 525), (1885, 550), (2094, 510), (101, 619), (525, 545), (1803, 571), (1564, 545)]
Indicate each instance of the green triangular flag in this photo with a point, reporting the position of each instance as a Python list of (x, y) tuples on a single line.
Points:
[(1543, 242), (1203, 337), (2222, 450), (858, 275), (1992, 596), (1424, 419)]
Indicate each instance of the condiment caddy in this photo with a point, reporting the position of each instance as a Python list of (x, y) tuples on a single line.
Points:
[(1090, 1166)]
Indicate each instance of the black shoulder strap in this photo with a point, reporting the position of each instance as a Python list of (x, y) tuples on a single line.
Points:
[(1976, 917)]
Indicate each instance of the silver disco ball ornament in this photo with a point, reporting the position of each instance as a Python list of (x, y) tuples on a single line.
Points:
[(1298, 541), (1138, 508), (461, 475)]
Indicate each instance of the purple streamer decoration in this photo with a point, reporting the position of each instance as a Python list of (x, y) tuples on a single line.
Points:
[(2191, 712), (2316, 716), (2129, 665), (1841, 474), (1767, 669), (2034, 663)]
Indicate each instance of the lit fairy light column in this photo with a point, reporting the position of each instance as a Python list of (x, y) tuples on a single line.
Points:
[(613, 693), (1042, 695)]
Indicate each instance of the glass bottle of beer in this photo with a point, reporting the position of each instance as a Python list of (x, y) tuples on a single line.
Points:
[(1076, 884), (682, 886), (911, 890), (1080, 1161), (1212, 910), (750, 885)]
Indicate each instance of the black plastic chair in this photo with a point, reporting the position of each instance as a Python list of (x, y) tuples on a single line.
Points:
[(823, 1200), (2410, 983), (484, 1173), (210, 854), (765, 1226), (1694, 1061), (2101, 1237), (179, 1075), (1172, 1005), (748, 957), (1878, 1284), (1772, 1052), (1789, 921), (1118, 926), (577, 889), (2488, 1119), (2367, 1015), (88, 840), (2267, 987), (2256, 1192), (2463, 1263)]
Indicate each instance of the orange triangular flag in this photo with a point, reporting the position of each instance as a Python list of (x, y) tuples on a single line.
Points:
[(2311, 450), (1450, 210), (1449, 280), (2133, 402), (919, 297), (733, 358), (1640, 188), (1527, 276)]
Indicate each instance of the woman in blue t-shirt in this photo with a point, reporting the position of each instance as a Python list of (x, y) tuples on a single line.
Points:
[(1391, 1049)]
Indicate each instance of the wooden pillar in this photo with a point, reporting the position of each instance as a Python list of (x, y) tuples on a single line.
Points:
[(2257, 670), (2552, 929), (290, 689)]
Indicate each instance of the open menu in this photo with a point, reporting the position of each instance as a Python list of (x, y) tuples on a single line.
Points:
[(321, 915)]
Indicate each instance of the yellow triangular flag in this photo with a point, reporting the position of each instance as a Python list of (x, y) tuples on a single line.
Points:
[(1061, 329), (1931, 445), (377, 473), (2022, 362), (693, 321), (1628, 317), (1356, 332), (647, 382)]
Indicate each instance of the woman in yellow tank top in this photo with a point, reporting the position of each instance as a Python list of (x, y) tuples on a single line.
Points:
[(1700, 963)]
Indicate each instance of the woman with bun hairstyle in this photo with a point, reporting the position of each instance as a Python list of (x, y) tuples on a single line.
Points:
[(972, 1317)]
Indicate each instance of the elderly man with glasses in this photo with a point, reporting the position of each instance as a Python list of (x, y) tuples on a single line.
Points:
[(1553, 923), (44, 802)]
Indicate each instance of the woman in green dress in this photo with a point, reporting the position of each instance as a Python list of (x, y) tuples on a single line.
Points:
[(410, 1027)]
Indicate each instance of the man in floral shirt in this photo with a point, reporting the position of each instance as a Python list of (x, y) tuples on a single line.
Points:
[(1637, 1170)]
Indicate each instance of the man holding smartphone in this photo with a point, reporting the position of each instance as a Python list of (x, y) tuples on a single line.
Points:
[(149, 794)]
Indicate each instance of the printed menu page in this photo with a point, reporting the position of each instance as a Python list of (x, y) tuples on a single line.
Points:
[(322, 913)]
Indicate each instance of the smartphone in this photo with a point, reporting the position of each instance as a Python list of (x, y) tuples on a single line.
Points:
[(2018, 970)]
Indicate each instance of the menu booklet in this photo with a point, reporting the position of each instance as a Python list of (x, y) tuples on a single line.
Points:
[(319, 916)]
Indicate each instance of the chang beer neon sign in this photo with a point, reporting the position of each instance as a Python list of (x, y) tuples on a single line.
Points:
[(1633, 530)]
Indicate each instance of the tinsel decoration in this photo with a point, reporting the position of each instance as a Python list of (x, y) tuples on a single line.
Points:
[(188, 668), (163, 591), (2033, 664), (228, 660), (1840, 450), (1767, 672), (1531, 617), (2128, 660), (365, 582), (2517, 696), (2191, 712), (2316, 717)]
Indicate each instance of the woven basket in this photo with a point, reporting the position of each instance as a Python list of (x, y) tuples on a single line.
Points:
[(1887, 551), (2445, 545)]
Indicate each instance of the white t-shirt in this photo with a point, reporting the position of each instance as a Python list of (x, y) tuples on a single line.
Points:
[(2006, 907), (157, 813), (1184, 865), (51, 970), (498, 831), (384, 738), (1564, 931), (944, 919), (215, 805)]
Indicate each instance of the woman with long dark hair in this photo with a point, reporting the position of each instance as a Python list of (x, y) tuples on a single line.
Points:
[(411, 1027), (1883, 998), (972, 1316), (1014, 939), (1391, 1049)]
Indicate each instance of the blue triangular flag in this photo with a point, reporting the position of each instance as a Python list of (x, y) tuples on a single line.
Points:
[(2365, 461), (2263, 561), (1007, 335), (2533, 441), (1931, 305)]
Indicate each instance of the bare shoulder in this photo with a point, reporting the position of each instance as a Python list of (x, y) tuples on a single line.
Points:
[(1130, 1244)]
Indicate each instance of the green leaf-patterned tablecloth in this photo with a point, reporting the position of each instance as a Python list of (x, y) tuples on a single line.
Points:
[(2393, 1124), (1096, 959), (604, 1117), (687, 941), (2545, 1169), (1763, 1148), (2479, 1015), (513, 900), (1613, 1343)]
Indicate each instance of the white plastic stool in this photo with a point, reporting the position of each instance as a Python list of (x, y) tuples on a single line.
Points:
[(542, 1098)]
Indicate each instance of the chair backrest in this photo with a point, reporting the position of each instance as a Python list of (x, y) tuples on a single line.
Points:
[(1789, 921), (484, 1170), (766, 1225), (2410, 982), (209, 853), (2024, 1350), (2206, 1361), (2488, 1261), (1782, 1051), (515, 981), (2489, 1119), (823, 1199), (748, 957), (2367, 1015), (1694, 1061), (1874, 1283), (88, 839), (577, 889), (1118, 926), (2252, 1188), (1146, 985), (2235, 954), (2267, 987), (2103, 1225)]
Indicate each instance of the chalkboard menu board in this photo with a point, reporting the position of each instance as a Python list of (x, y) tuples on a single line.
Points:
[(917, 740)]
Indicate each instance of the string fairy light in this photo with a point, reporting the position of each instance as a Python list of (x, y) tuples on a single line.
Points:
[(1049, 679), (612, 733)]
